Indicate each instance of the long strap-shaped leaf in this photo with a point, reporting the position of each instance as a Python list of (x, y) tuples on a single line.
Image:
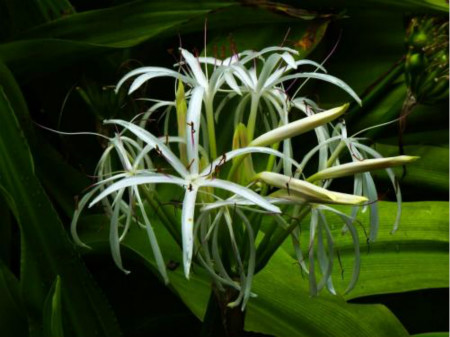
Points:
[(43, 236)]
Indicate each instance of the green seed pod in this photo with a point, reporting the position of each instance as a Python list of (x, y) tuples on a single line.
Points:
[(426, 63)]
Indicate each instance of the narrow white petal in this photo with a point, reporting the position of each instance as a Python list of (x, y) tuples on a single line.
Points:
[(193, 129), (152, 238), (154, 142), (229, 78), (254, 55), (187, 227), (243, 151), (290, 61), (242, 191), (324, 77), (148, 70), (194, 65), (137, 83), (152, 178), (114, 233), (394, 181)]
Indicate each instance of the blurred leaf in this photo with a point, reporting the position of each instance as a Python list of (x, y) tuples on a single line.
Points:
[(273, 29), (6, 207), (46, 249), (430, 172), (53, 323), (391, 5), (435, 137), (283, 306), (415, 257), (432, 334), (13, 319), (93, 32), (37, 12)]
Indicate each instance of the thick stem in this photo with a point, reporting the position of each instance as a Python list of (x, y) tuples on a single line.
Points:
[(221, 320)]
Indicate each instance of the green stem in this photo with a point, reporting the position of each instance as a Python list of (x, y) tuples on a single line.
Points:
[(252, 117), (219, 319), (211, 127), (335, 155)]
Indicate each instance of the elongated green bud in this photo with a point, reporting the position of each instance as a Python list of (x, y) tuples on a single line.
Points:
[(180, 100), (339, 198), (298, 127), (303, 188), (366, 165), (302, 191), (245, 171)]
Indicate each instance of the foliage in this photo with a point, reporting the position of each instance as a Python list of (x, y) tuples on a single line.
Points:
[(58, 62)]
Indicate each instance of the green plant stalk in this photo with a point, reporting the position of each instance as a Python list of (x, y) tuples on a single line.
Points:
[(335, 155), (221, 320), (252, 116), (211, 127), (269, 167), (264, 253)]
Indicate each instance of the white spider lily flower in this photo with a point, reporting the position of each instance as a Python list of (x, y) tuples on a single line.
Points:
[(361, 166), (256, 80), (190, 180), (298, 127)]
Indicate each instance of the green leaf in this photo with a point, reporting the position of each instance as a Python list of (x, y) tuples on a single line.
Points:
[(431, 170), (53, 323), (300, 34), (283, 306), (37, 12), (97, 31), (415, 257), (432, 334), (425, 6), (13, 319), (46, 249)]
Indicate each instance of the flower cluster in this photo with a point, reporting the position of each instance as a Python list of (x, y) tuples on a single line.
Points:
[(225, 195)]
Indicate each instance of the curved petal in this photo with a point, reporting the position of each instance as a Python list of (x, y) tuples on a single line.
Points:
[(241, 191), (154, 142), (153, 178)]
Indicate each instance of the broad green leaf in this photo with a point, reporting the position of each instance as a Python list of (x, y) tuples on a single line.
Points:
[(283, 306), (431, 170), (89, 33), (13, 318), (273, 29), (415, 257), (53, 323), (46, 249)]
